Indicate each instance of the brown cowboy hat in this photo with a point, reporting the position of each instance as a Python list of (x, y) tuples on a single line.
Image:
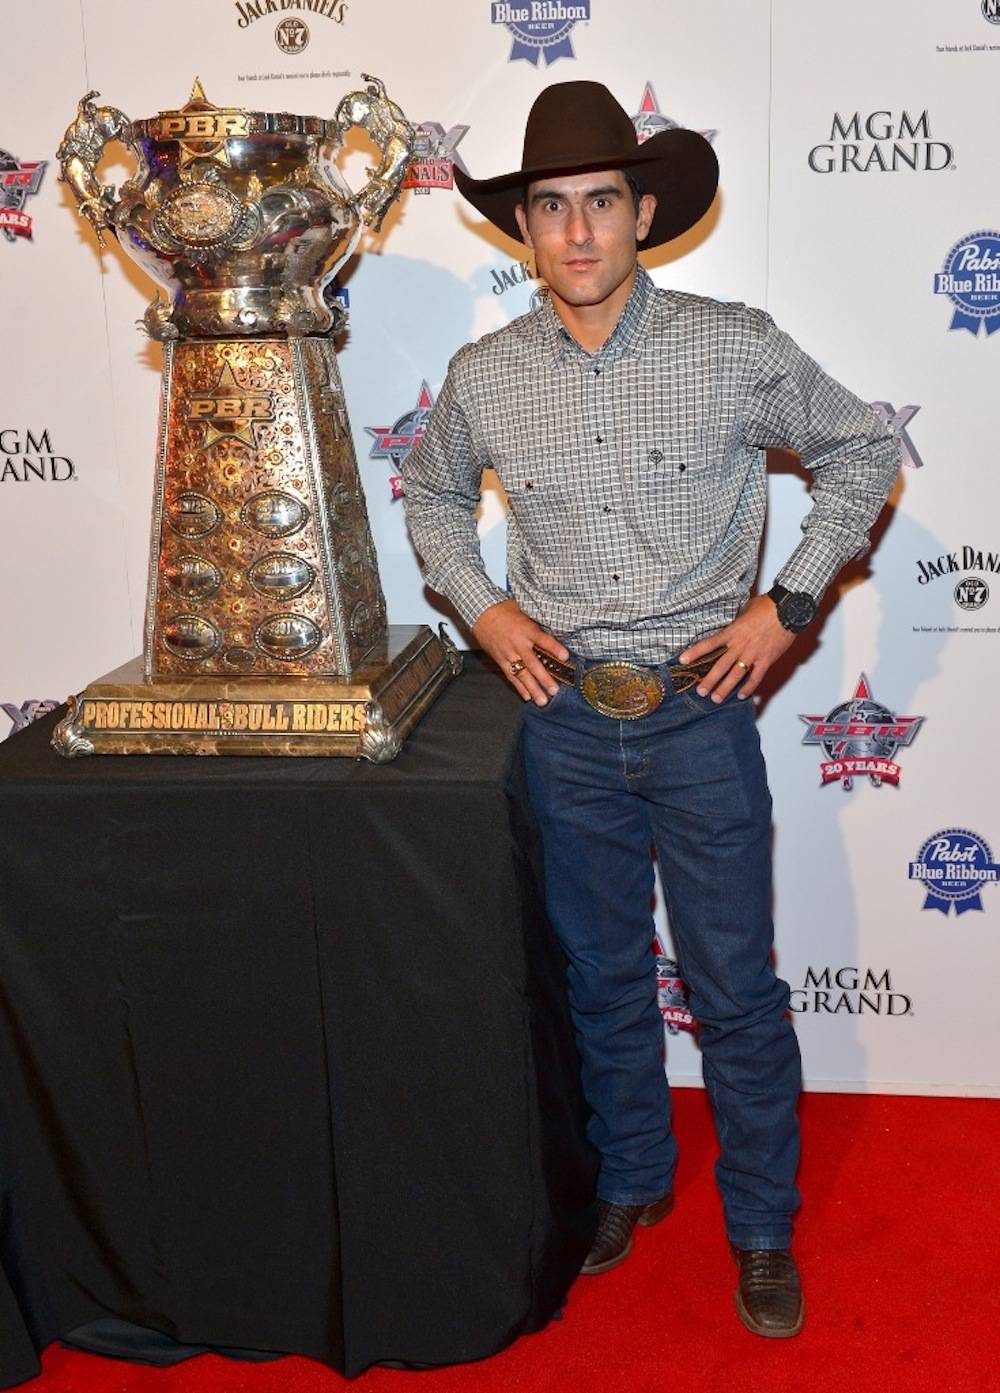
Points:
[(576, 126)]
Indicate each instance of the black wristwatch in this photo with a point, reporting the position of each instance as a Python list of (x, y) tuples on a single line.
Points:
[(796, 609)]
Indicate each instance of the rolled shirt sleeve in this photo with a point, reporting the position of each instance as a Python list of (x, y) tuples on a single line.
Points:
[(853, 455), (442, 476)]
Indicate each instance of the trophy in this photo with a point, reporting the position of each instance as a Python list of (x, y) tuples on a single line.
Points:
[(265, 626)]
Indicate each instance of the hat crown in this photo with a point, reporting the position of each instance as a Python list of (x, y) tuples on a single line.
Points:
[(577, 123)]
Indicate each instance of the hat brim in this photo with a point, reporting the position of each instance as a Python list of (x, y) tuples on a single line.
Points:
[(678, 166)]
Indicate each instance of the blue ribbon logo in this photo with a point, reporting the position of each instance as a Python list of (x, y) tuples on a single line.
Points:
[(540, 28), (953, 866), (971, 281)]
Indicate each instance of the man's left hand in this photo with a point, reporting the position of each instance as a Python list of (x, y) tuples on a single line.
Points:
[(753, 641)]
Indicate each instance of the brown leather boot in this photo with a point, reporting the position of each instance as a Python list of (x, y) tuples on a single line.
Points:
[(613, 1240), (769, 1296)]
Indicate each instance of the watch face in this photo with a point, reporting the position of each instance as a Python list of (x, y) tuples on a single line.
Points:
[(797, 610)]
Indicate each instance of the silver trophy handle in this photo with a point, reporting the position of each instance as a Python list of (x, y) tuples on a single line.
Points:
[(81, 151), (391, 132)]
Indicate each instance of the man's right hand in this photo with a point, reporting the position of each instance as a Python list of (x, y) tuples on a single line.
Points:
[(506, 633)]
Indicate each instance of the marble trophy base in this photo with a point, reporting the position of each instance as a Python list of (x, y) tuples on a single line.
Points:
[(366, 714)]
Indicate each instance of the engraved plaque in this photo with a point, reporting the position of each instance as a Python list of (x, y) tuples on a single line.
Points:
[(274, 513), (191, 637), (281, 576), (192, 577), (193, 514), (287, 636)]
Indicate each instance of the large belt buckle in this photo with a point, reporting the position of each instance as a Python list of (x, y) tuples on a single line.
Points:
[(622, 690)]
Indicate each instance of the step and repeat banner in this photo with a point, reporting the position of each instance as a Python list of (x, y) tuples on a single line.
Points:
[(859, 204)]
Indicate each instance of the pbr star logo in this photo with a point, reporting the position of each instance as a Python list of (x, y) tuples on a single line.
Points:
[(434, 157), (19, 179), (396, 441), (953, 866), (650, 120), (28, 711), (897, 421), (540, 28), (860, 736), (671, 994)]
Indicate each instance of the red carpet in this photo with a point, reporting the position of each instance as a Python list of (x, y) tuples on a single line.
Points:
[(899, 1244)]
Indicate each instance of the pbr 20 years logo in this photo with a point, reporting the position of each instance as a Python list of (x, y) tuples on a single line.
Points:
[(860, 737), (19, 179), (540, 28), (395, 442), (671, 994), (649, 120), (971, 281), (953, 866), (28, 711)]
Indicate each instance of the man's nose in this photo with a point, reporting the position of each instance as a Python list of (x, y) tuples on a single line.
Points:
[(578, 229)]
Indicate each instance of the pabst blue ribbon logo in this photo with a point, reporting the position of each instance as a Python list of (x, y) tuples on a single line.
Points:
[(19, 179), (671, 994), (396, 441), (971, 281), (953, 867), (28, 711), (860, 737), (434, 157), (649, 120), (540, 28)]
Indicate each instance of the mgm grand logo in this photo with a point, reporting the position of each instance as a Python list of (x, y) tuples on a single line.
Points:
[(850, 991), (880, 141), (25, 456)]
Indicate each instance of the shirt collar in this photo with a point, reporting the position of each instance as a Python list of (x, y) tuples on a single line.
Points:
[(624, 340)]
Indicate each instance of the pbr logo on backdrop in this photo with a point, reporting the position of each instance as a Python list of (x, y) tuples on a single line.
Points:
[(26, 456), (434, 157), (991, 10), (971, 281), (971, 591), (671, 994), (649, 120), (881, 141), (540, 28), (28, 711), (19, 179), (897, 421), (860, 737), (395, 442), (953, 867), (850, 991)]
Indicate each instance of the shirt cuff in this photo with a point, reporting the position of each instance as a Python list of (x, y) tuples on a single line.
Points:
[(811, 567), (472, 594)]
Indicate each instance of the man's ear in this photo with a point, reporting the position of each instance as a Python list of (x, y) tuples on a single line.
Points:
[(644, 219), (522, 222)]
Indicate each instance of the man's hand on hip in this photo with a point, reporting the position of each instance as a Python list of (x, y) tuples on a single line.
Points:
[(753, 641), (506, 633)]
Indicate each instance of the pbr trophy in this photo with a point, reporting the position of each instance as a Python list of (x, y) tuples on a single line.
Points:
[(265, 628)]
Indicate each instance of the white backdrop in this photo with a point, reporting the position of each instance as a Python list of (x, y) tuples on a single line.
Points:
[(857, 145)]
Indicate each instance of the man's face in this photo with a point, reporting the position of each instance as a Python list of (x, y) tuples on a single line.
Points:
[(583, 229)]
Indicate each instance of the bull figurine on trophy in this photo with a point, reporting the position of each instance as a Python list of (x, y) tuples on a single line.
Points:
[(265, 628)]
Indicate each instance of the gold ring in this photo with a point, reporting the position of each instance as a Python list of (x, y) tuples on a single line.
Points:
[(745, 666), (518, 665)]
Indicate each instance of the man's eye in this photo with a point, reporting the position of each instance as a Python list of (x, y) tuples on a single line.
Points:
[(552, 206), (601, 203)]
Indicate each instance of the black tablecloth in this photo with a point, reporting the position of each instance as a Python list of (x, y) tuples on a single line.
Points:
[(285, 1061)]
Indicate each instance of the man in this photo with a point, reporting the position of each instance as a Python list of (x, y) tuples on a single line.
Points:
[(628, 426)]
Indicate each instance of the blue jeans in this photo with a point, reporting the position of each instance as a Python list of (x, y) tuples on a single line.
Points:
[(690, 779)]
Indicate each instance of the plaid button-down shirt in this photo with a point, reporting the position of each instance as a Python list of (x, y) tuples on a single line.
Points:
[(636, 475)]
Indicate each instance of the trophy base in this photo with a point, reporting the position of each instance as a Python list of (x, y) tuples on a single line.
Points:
[(364, 715)]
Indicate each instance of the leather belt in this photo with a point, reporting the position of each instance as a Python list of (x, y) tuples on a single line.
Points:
[(626, 691)]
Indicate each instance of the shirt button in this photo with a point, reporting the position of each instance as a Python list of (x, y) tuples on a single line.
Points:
[(607, 507), (616, 577), (597, 372), (600, 440), (655, 456), (681, 468)]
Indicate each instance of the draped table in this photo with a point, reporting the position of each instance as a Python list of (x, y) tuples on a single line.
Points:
[(285, 1058)]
